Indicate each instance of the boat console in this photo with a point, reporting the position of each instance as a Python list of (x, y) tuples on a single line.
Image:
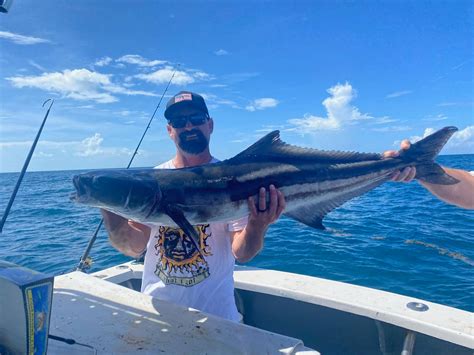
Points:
[(25, 309)]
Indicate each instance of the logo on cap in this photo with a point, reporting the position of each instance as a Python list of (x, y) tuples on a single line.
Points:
[(183, 97)]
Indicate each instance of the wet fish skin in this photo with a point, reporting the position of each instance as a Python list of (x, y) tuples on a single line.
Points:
[(314, 182)]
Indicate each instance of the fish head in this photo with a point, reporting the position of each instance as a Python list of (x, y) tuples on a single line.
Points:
[(129, 193)]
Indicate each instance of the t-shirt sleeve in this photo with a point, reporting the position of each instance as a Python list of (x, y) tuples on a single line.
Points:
[(238, 224)]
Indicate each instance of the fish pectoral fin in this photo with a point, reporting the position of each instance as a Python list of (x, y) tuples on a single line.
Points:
[(312, 214), (307, 216), (177, 215)]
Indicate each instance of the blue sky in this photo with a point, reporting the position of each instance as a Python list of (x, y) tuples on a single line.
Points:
[(330, 75)]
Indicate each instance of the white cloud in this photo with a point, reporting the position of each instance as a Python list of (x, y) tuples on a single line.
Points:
[(124, 113), (77, 84), (131, 114), (140, 61), (426, 133), (439, 117), (398, 94), (20, 39), (88, 147), (163, 76), (200, 75), (384, 120), (36, 65), (221, 52), (4, 145), (399, 128), (239, 77), (91, 146), (213, 101), (102, 62), (458, 103), (262, 104), (41, 154), (464, 137), (339, 111)]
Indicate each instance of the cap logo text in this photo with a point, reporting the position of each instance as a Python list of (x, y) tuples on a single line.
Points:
[(183, 97)]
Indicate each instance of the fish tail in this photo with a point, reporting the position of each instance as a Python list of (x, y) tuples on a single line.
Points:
[(423, 154)]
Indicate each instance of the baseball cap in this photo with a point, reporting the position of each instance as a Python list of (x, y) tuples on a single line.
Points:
[(185, 99)]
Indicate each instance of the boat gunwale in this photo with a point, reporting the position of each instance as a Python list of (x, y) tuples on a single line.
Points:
[(439, 321)]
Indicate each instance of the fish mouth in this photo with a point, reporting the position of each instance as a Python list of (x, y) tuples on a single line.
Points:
[(83, 185), (77, 198)]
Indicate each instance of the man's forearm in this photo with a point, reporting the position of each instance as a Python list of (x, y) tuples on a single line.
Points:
[(248, 242), (128, 240), (460, 194)]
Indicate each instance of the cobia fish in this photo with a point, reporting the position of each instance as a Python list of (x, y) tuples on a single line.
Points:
[(314, 183)]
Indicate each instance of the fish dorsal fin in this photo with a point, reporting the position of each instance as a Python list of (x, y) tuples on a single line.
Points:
[(272, 148)]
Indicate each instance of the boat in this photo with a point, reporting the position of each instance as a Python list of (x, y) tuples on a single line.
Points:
[(283, 313)]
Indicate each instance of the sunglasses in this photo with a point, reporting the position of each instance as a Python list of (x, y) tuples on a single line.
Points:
[(181, 121)]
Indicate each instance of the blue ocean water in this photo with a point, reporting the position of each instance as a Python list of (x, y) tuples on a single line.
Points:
[(397, 238)]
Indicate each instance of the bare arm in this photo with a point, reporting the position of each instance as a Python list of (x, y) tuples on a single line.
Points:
[(460, 194), (247, 243), (126, 236)]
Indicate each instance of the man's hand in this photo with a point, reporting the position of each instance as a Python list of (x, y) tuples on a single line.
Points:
[(249, 241), (265, 215), (408, 173), (125, 235)]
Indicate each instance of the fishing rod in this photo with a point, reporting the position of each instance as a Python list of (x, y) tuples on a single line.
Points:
[(84, 263), (25, 166)]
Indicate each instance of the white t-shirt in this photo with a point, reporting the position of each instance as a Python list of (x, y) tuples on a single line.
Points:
[(174, 271)]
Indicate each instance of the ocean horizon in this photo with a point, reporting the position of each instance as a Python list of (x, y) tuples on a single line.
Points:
[(150, 167)]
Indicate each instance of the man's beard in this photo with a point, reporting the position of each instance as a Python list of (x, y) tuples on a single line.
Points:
[(194, 145)]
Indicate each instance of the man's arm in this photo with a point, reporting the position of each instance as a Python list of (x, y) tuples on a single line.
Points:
[(460, 194), (248, 242), (126, 236)]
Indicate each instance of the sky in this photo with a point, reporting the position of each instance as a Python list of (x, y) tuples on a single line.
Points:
[(331, 75)]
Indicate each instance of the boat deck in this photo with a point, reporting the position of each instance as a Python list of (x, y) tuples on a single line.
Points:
[(335, 317), (107, 318)]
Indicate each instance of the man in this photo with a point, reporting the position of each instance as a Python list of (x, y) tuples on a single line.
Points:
[(174, 269)]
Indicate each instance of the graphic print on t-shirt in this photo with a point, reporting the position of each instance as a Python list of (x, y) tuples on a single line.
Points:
[(179, 262)]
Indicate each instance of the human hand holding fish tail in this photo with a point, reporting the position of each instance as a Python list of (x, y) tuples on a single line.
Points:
[(407, 174), (460, 194)]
